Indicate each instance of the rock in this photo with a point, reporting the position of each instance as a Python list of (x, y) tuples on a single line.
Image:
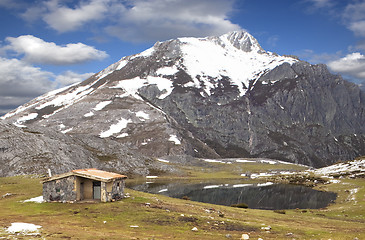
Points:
[(194, 229), (245, 236), (268, 228)]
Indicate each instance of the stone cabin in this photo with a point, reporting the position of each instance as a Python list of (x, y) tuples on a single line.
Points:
[(84, 184)]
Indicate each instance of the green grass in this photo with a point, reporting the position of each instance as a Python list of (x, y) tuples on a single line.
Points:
[(168, 218)]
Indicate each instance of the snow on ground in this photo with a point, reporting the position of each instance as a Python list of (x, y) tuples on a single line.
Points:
[(350, 167), (131, 86), (173, 138), (123, 135), (30, 116), (352, 196), (241, 185), (69, 98), (115, 128), (102, 105), (23, 228), (89, 114), (151, 177), (213, 161), (167, 70), (265, 184), (67, 130), (142, 115), (212, 186), (162, 160), (260, 175), (35, 199), (245, 161)]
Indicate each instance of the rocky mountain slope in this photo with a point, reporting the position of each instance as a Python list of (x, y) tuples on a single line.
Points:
[(209, 97), (35, 150)]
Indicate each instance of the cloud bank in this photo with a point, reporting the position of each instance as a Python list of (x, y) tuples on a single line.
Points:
[(138, 20), (20, 82)]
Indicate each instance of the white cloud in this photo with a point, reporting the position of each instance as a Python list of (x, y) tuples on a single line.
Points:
[(322, 3), (21, 79), (20, 82), (358, 28), (164, 19), (272, 40), (315, 58), (11, 4), (361, 45), (138, 20), (70, 77), (352, 64), (63, 18), (35, 50), (354, 16)]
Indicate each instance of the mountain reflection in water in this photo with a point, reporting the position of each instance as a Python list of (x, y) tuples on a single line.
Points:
[(258, 196)]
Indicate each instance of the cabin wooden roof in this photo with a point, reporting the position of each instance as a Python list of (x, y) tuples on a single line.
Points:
[(91, 173)]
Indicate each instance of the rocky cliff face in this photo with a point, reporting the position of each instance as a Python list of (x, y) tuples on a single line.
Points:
[(209, 97)]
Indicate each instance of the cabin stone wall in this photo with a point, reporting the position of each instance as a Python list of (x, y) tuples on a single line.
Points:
[(60, 190), (117, 192)]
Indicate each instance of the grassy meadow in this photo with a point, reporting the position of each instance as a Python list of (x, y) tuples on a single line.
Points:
[(149, 216)]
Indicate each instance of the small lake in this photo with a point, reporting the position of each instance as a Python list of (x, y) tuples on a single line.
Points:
[(258, 196)]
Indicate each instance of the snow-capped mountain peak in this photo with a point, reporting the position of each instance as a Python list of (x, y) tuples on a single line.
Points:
[(236, 56)]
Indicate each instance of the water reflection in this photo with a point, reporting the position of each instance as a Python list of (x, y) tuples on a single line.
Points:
[(258, 196)]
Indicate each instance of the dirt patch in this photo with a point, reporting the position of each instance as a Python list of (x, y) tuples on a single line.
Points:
[(230, 226), (187, 219)]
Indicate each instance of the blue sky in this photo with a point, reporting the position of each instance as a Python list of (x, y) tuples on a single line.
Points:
[(47, 44)]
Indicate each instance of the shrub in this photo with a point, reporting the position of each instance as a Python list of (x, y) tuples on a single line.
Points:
[(280, 211), (240, 205)]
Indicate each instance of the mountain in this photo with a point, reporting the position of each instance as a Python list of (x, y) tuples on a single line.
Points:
[(210, 97)]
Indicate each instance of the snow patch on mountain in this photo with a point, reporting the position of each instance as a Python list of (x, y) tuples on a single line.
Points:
[(142, 115), (167, 70), (173, 138), (68, 98), (115, 128), (28, 117), (89, 114), (67, 130), (102, 105), (131, 86), (123, 135)]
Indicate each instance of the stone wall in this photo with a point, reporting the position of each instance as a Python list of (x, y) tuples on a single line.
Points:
[(118, 189), (61, 190)]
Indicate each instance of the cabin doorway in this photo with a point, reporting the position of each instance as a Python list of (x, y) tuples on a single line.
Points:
[(82, 191), (97, 190)]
